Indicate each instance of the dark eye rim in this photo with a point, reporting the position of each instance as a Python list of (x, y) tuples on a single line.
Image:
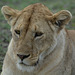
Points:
[(38, 34), (17, 32)]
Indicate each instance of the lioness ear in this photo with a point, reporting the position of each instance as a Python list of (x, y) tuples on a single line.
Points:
[(8, 12), (61, 18)]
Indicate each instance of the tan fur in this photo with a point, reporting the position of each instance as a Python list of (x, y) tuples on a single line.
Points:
[(52, 49)]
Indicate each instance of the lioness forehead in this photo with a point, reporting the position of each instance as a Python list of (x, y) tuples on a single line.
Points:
[(37, 8), (32, 14)]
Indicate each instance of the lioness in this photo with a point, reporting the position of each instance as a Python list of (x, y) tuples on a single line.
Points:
[(40, 44)]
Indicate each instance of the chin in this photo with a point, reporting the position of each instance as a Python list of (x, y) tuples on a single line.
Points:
[(23, 67)]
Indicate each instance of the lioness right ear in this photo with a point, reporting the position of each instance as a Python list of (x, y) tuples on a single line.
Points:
[(8, 12), (61, 18)]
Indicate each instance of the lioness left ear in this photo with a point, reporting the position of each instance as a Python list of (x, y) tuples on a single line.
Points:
[(62, 18), (8, 12)]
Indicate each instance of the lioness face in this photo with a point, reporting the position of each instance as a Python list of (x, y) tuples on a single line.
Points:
[(34, 31)]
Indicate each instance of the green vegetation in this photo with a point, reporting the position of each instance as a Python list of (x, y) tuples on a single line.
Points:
[(53, 5)]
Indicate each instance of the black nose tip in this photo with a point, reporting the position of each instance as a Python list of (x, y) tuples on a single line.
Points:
[(22, 57)]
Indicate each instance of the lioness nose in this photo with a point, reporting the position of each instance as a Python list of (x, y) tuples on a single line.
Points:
[(22, 57)]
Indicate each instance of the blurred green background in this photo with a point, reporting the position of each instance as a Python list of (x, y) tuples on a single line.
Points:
[(53, 5)]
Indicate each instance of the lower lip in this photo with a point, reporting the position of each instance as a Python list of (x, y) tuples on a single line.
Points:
[(23, 64), (29, 65)]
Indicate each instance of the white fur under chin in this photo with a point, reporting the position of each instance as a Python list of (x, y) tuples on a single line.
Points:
[(25, 68)]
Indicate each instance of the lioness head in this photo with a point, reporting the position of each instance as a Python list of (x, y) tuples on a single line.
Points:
[(34, 32)]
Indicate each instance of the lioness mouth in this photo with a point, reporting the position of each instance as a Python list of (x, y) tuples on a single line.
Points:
[(35, 64)]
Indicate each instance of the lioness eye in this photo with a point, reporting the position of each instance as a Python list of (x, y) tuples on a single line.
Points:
[(37, 34), (17, 32)]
